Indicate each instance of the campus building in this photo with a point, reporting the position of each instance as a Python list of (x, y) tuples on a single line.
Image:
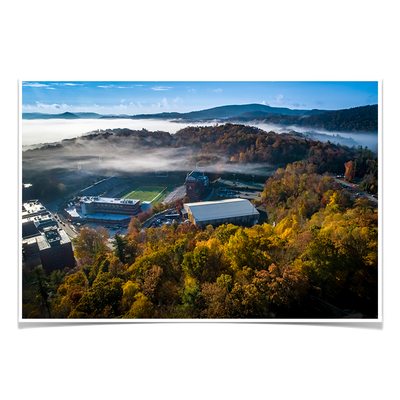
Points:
[(43, 242), (106, 205), (35, 218), (34, 225), (52, 248), (33, 208), (104, 209), (195, 183), (27, 192), (232, 211)]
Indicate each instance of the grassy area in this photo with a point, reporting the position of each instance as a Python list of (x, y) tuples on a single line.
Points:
[(155, 194)]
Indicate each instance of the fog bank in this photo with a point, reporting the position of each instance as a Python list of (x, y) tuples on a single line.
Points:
[(36, 132)]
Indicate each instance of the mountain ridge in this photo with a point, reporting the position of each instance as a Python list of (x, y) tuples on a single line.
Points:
[(227, 111), (356, 119)]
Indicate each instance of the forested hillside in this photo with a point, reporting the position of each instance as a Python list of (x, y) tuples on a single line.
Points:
[(303, 267), (316, 258), (244, 144), (221, 147), (358, 119)]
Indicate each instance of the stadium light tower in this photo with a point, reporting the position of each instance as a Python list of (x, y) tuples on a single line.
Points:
[(80, 171)]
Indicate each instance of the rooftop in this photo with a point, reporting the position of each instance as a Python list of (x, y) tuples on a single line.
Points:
[(196, 175), (32, 207), (112, 217), (50, 237), (210, 210), (108, 200)]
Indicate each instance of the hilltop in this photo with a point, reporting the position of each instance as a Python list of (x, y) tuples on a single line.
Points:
[(231, 111), (357, 119), (228, 111), (66, 115)]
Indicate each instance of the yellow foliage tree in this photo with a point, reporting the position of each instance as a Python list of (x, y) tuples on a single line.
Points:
[(334, 199), (141, 308)]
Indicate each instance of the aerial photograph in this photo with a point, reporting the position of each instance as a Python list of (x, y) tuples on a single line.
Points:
[(195, 200)]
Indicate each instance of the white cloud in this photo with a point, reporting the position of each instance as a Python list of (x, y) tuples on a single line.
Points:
[(106, 86), (160, 88), (37, 85), (67, 84), (192, 90), (53, 108), (162, 104), (219, 90), (264, 103), (280, 99), (178, 100), (49, 107)]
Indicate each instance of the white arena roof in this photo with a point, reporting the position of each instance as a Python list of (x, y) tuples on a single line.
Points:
[(210, 210), (109, 200)]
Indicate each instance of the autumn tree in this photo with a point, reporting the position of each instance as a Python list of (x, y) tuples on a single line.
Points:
[(115, 266), (143, 216), (191, 299), (130, 290), (102, 300), (89, 242), (134, 226), (217, 300), (141, 308), (285, 287), (151, 282), (69, 294), (350, 171)]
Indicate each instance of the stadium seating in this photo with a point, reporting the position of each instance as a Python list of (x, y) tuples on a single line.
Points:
[(100, 188)]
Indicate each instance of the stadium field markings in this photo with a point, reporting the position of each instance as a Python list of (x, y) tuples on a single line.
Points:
[(146, 193)]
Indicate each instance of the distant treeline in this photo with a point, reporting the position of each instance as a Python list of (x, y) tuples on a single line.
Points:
[(358, 119)]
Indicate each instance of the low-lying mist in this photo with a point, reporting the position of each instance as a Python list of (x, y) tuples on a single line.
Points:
[(36, 132), (124, 156), (344, 138), (116, 154)]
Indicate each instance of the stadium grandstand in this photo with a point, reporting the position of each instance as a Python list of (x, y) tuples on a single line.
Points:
[(117, 190), (102, 187)]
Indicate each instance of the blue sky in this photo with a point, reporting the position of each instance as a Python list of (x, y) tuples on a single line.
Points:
[(154, 97)]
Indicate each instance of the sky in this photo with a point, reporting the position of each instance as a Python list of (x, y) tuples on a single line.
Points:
[(146, 97)]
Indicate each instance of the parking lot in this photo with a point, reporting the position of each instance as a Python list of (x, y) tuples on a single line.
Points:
[(165, 218), (224, 193), (357, 192), (111, 229)]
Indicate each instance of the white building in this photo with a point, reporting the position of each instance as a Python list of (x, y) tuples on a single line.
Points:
[(232, 211)]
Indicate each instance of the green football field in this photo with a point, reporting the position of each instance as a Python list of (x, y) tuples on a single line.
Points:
[(155, 194)]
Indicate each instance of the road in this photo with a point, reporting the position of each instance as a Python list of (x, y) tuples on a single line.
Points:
[(177, 193), (356, 189)]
